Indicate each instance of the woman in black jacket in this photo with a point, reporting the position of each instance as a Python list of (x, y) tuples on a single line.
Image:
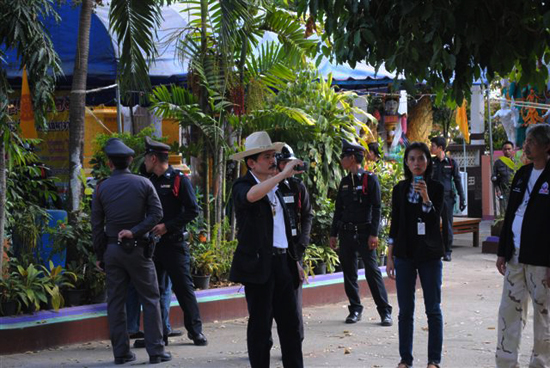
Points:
[(415, 248)]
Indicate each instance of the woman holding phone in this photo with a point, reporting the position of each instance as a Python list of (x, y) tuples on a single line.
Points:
[(415, 248)]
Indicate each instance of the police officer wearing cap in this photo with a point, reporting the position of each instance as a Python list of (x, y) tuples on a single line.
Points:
[(296, 198), (125, 207), (172, 252), (445, 171), (356, 223)]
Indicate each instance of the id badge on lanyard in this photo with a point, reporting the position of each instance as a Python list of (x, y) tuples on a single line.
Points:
[(421, 227)]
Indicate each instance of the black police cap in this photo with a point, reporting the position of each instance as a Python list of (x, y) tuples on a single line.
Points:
[(374, 147), (115, 147), (348, 147), (154, 146)]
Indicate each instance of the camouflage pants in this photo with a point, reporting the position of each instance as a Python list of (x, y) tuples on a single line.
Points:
[(521, 281)]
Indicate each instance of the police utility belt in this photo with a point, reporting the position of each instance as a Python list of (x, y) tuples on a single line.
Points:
[(129, 244), (350, 226), (175, 237)]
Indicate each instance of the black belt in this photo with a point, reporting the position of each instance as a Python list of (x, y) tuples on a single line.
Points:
[(141, 242), (350, 226), (278, 251)]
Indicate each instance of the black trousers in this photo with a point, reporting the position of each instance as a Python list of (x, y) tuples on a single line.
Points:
[(274, 299), (352, 244), (447, 221), (172, 259), (121, 268), (298, 292)]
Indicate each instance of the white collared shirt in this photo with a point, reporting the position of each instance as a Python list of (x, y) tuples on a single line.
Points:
[(279, 228), (520, 212)]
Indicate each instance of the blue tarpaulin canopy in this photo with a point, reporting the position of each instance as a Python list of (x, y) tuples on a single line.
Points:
[(104, 53)]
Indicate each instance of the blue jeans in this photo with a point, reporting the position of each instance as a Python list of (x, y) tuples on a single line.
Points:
[(133, 308), (430, 273), (165, 300)]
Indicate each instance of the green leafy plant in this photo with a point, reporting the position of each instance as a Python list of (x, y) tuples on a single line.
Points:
[(323, 213), (10, 289), (389, 174), (329, 116), (59, 279), (79, 272), (33, 286), (100, 170), (320, 254), (204, 260)]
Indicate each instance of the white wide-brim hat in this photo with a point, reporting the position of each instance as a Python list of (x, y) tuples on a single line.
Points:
[(255, 143)]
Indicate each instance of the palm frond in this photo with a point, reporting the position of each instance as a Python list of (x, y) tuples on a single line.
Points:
[(279, 117), (271, 67), (291, 35), (180, 104), (134, 23)]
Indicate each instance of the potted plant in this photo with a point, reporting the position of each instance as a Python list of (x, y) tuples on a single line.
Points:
[(311, 257), (204, 263), (9, 296), (76, 296), (320, 259), (59, 280)]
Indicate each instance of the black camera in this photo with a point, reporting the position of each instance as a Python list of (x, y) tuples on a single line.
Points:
[(303, 167)]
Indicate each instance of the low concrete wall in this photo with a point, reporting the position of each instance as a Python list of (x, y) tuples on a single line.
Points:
[(48, 329)]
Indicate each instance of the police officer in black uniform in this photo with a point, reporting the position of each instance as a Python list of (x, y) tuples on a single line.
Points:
[(296, 197), (172, 252), (445, 171), (125, 207), (504, 169), (356, 222)]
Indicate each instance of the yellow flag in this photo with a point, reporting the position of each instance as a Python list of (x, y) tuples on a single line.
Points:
[(462, 121), (26, 114)]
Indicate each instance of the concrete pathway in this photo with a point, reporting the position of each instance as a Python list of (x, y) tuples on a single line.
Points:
[(471, 295)]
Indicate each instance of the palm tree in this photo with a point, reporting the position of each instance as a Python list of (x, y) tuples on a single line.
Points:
[(77, 109), (219, 45), (135, 24)]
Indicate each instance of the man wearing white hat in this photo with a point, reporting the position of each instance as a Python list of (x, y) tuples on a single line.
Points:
[(263, 261)]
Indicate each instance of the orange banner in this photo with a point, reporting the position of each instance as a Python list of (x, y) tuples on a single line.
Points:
[(28, 129)]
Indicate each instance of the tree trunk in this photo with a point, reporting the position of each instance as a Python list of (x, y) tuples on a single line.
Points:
[(2, 202), (203, 103), (77, 111), (419, 123), (219, 174)]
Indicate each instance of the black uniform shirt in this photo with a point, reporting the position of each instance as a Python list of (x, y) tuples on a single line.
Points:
[(296, 198), (178, 209), (355, 205), (445, 172)]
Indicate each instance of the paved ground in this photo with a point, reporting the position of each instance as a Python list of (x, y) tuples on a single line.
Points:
[(471, 294)]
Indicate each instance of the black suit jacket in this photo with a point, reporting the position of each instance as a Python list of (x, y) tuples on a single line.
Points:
[(252, 258), (535, 230), (404, 221)]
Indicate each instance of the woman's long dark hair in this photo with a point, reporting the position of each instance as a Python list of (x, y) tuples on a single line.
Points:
[(421, 147)]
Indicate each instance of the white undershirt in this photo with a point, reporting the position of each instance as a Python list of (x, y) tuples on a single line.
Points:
[(520, 212), (279, 228)]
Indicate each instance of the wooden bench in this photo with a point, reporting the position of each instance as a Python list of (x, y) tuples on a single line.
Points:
[(463, 225)]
